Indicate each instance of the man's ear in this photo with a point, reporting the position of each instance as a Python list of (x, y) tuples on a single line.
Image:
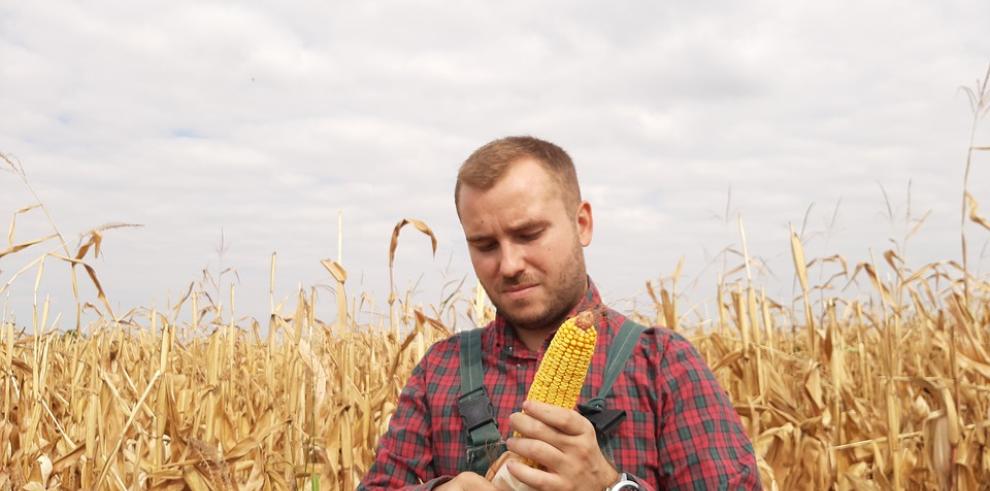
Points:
[(585, 223)]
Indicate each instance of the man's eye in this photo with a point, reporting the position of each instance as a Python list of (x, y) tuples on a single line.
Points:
[(486, 247), (531, 236)]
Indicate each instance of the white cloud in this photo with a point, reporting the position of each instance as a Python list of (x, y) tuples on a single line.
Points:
[(265, 118)]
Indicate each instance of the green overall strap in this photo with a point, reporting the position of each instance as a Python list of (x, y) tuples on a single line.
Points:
[(606, 420), (484, 443)]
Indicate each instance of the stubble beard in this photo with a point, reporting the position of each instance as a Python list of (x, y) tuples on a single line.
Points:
[(570, 284)]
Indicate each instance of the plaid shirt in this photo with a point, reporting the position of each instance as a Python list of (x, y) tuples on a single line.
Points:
[(681, 431)]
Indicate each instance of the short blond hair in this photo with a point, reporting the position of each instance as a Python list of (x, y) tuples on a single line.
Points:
[(486, 165)]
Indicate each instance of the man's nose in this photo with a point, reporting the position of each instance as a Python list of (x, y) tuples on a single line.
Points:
[(513, 261)]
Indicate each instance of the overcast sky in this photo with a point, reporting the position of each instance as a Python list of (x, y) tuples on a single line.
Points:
[(264, 119)]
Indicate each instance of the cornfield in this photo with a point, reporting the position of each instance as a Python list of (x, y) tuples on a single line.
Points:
[(884, 388), (892, 391)]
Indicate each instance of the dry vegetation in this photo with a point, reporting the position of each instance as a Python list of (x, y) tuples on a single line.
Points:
[(886, 387), (859, 394)]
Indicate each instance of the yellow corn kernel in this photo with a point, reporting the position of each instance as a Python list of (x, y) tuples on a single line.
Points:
[(561, 374)]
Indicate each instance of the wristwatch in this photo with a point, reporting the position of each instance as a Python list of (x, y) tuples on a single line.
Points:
[(625, 483)]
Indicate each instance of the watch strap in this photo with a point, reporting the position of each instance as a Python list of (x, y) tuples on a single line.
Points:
[(625, 483)]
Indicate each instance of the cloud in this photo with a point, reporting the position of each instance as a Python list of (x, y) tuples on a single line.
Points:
[(265, 119)]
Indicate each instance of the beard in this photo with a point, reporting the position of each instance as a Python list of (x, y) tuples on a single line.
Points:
[(564, 291)]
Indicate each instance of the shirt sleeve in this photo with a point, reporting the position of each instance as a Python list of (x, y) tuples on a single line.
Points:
[(701, 441), (404, 459)]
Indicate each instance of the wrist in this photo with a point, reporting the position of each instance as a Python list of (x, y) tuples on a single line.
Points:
[(624, 482), (438, 483), (612, 476)]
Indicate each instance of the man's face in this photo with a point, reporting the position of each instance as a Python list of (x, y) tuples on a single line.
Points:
[(525, 245)]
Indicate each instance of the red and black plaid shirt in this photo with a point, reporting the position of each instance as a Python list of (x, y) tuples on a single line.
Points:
[(680, 432)]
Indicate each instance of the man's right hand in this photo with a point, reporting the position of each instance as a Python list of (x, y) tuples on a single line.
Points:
[(467, 481)]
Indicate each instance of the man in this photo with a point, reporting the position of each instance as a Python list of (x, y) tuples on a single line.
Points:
[(526, 226)]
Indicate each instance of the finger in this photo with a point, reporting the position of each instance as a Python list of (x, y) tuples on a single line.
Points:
[(535, 478), (530, 427), (538, 451), (567, 421)]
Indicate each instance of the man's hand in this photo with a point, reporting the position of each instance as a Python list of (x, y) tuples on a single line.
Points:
[(564, 443), (466, 481)]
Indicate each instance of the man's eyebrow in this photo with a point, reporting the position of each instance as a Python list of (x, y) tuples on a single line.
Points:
[(524, 227), (528, 226), (478, 238)]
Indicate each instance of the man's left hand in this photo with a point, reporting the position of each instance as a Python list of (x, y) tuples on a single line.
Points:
[(564, 443)]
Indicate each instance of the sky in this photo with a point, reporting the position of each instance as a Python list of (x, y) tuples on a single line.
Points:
[(262, 122)]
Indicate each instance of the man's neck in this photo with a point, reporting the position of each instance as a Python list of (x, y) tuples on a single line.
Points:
[(534, 338)]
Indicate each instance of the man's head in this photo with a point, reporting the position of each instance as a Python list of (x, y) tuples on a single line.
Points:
[(521, 211), (489, 163)]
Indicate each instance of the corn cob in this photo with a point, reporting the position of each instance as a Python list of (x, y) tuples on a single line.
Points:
[(561, 374), (558, 381)]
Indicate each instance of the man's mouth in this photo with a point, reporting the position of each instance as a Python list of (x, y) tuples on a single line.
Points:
[(517, 291)]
